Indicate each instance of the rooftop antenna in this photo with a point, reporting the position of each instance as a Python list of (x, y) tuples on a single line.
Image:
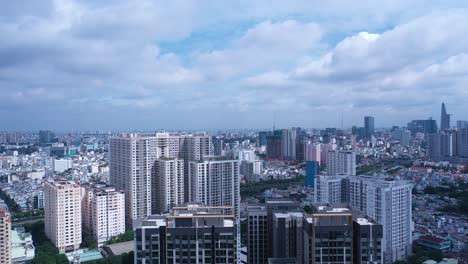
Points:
[(274, 121), (342, 120)]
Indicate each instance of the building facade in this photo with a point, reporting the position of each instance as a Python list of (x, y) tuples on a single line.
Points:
[(62, 214), (5, 233), (103, 211), (192, 234), (167, 184), (341, 162), (388, 202), (215, 182)]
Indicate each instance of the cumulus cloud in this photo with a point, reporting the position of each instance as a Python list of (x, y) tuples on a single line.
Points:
[(80, 64)]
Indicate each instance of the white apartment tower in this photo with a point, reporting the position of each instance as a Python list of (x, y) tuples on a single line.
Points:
[(341, 162), (168, 184), (103, 209), (330, 189), (388, 201), (215, 182), (132, 164), (62, 214)]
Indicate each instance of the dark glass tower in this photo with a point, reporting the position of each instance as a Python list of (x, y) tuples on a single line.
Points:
[(444, 118)]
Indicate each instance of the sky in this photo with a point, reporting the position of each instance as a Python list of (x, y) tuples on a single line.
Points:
[(182, 64)]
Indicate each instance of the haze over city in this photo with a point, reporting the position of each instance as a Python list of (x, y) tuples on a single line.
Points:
[(69, 64)]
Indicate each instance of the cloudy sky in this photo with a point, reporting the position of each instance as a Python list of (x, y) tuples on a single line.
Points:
[(123, 64)]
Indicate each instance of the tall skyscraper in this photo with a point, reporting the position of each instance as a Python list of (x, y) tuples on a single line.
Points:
[(46, 136), (132, 159), (131, 162), (192, 234), (462, 143), (288, 144), (215, 182), (103, 211), (5, 234), (167, 184), (462, 124), (427, 126), (262, 138), (388, 202), (260, 229), (441, 145), (62, 214), (274, 149), (369, 126), (331, 189), (328, 235), (257, 234), (288, 236), (367, 241), (312, 170), (444, 118), (313, 152), (402, 135), (218, 146), (341, 162)]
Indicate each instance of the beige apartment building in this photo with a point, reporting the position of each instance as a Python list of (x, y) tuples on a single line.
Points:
[(62, 218)]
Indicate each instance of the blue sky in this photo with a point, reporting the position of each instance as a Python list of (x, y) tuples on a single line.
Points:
[(131, 65)]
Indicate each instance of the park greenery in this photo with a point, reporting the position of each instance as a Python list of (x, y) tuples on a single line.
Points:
[(46, 252), (12, 205), (420, 255), (459, 192), (35, 214), (127, 236), (258, 188)]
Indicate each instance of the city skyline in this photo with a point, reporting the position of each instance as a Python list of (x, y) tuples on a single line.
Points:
[(140, 65)]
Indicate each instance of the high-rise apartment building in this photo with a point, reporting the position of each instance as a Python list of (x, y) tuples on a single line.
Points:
[(444, 118), (167, 184), (131, 163), (312, 170), (5, 234), (262, 138), (274, 148), (192, 234), (328, 235), (402, 135), (341, 162), (132, 160), (331, 189), (62, 214), (288, 235), (260, 230), (441, 145), (369, 128), (462, 124), (215, 182), (193, 147), (103, 211), (257, 234), (46, 136), (388, 202), (427, 126), (462, 142), (367, 241), (288, 144)]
